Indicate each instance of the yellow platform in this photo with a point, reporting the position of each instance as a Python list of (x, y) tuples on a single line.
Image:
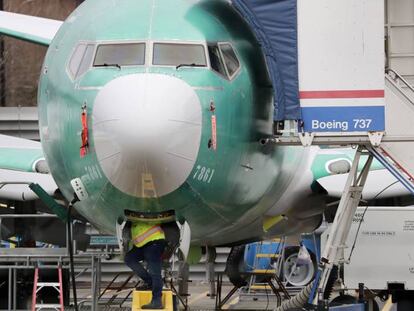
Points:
[(140, 298)]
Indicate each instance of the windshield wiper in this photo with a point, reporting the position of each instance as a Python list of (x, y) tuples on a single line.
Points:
[(189, 65), (109, 65)]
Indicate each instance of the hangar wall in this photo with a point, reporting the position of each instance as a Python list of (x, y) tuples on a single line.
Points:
[(21, 61), (399, 37)]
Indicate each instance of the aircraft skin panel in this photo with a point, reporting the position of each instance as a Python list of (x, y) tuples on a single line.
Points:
[(321, 166), (16, 142), (230, 181), (29, 28), (19, 154), (229, 187), (20, 160), (330, 169), (23, 192), (380, 184)]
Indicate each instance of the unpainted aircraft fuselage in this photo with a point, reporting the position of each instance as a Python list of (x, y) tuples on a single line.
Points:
[(175, 97)]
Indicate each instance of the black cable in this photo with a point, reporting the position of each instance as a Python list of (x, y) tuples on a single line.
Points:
[(363, 215), (70, 246)]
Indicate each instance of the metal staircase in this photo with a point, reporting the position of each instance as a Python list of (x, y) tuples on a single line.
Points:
[(395, 151), (254, 283), (394, 148), (397, 154)]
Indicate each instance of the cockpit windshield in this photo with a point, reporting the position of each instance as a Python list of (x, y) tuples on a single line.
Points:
[(179, 55), (219, 56), (125, 54)]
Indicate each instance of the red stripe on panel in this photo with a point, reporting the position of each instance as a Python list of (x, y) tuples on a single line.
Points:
[(342, 94)]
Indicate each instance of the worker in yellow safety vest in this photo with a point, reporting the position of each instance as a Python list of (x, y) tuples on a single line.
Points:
[(148, 245)]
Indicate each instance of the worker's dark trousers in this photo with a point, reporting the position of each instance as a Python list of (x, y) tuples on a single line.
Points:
[(151, 254)]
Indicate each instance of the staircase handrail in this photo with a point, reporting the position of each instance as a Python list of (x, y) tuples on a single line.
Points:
[(401, 78)]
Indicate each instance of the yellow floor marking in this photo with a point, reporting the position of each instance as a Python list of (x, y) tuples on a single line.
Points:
[(231, 303), (388, 305), (198, 297)]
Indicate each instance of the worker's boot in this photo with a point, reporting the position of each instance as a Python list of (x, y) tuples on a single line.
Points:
[(155, 304)]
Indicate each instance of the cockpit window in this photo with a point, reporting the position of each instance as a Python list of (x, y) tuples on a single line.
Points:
[(86, 60), (230, 59), (223, 59), (81, 59), (123, 54), (76, 59), (174, 54), (216, 61)]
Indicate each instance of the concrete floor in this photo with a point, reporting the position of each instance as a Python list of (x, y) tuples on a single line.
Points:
[(200, 301)]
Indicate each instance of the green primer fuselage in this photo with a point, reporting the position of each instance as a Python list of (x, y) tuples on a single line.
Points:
[(245, 179)]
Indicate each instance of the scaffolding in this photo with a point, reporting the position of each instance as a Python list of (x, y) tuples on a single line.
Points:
[(14, 259)]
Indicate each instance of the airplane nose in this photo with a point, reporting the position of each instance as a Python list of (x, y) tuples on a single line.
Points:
[(147, 132)]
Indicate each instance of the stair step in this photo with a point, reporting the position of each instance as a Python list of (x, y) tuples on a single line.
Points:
[(48, 284), (48, 305), (264, 271), (267, 255)]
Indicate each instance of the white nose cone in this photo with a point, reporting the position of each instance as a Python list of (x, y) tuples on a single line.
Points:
[(147, 131)]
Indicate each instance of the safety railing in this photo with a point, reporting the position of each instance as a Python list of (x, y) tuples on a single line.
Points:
[(403, 83)]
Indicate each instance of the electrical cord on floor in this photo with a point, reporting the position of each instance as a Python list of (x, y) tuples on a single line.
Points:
[(363, 215), (70, 246)]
